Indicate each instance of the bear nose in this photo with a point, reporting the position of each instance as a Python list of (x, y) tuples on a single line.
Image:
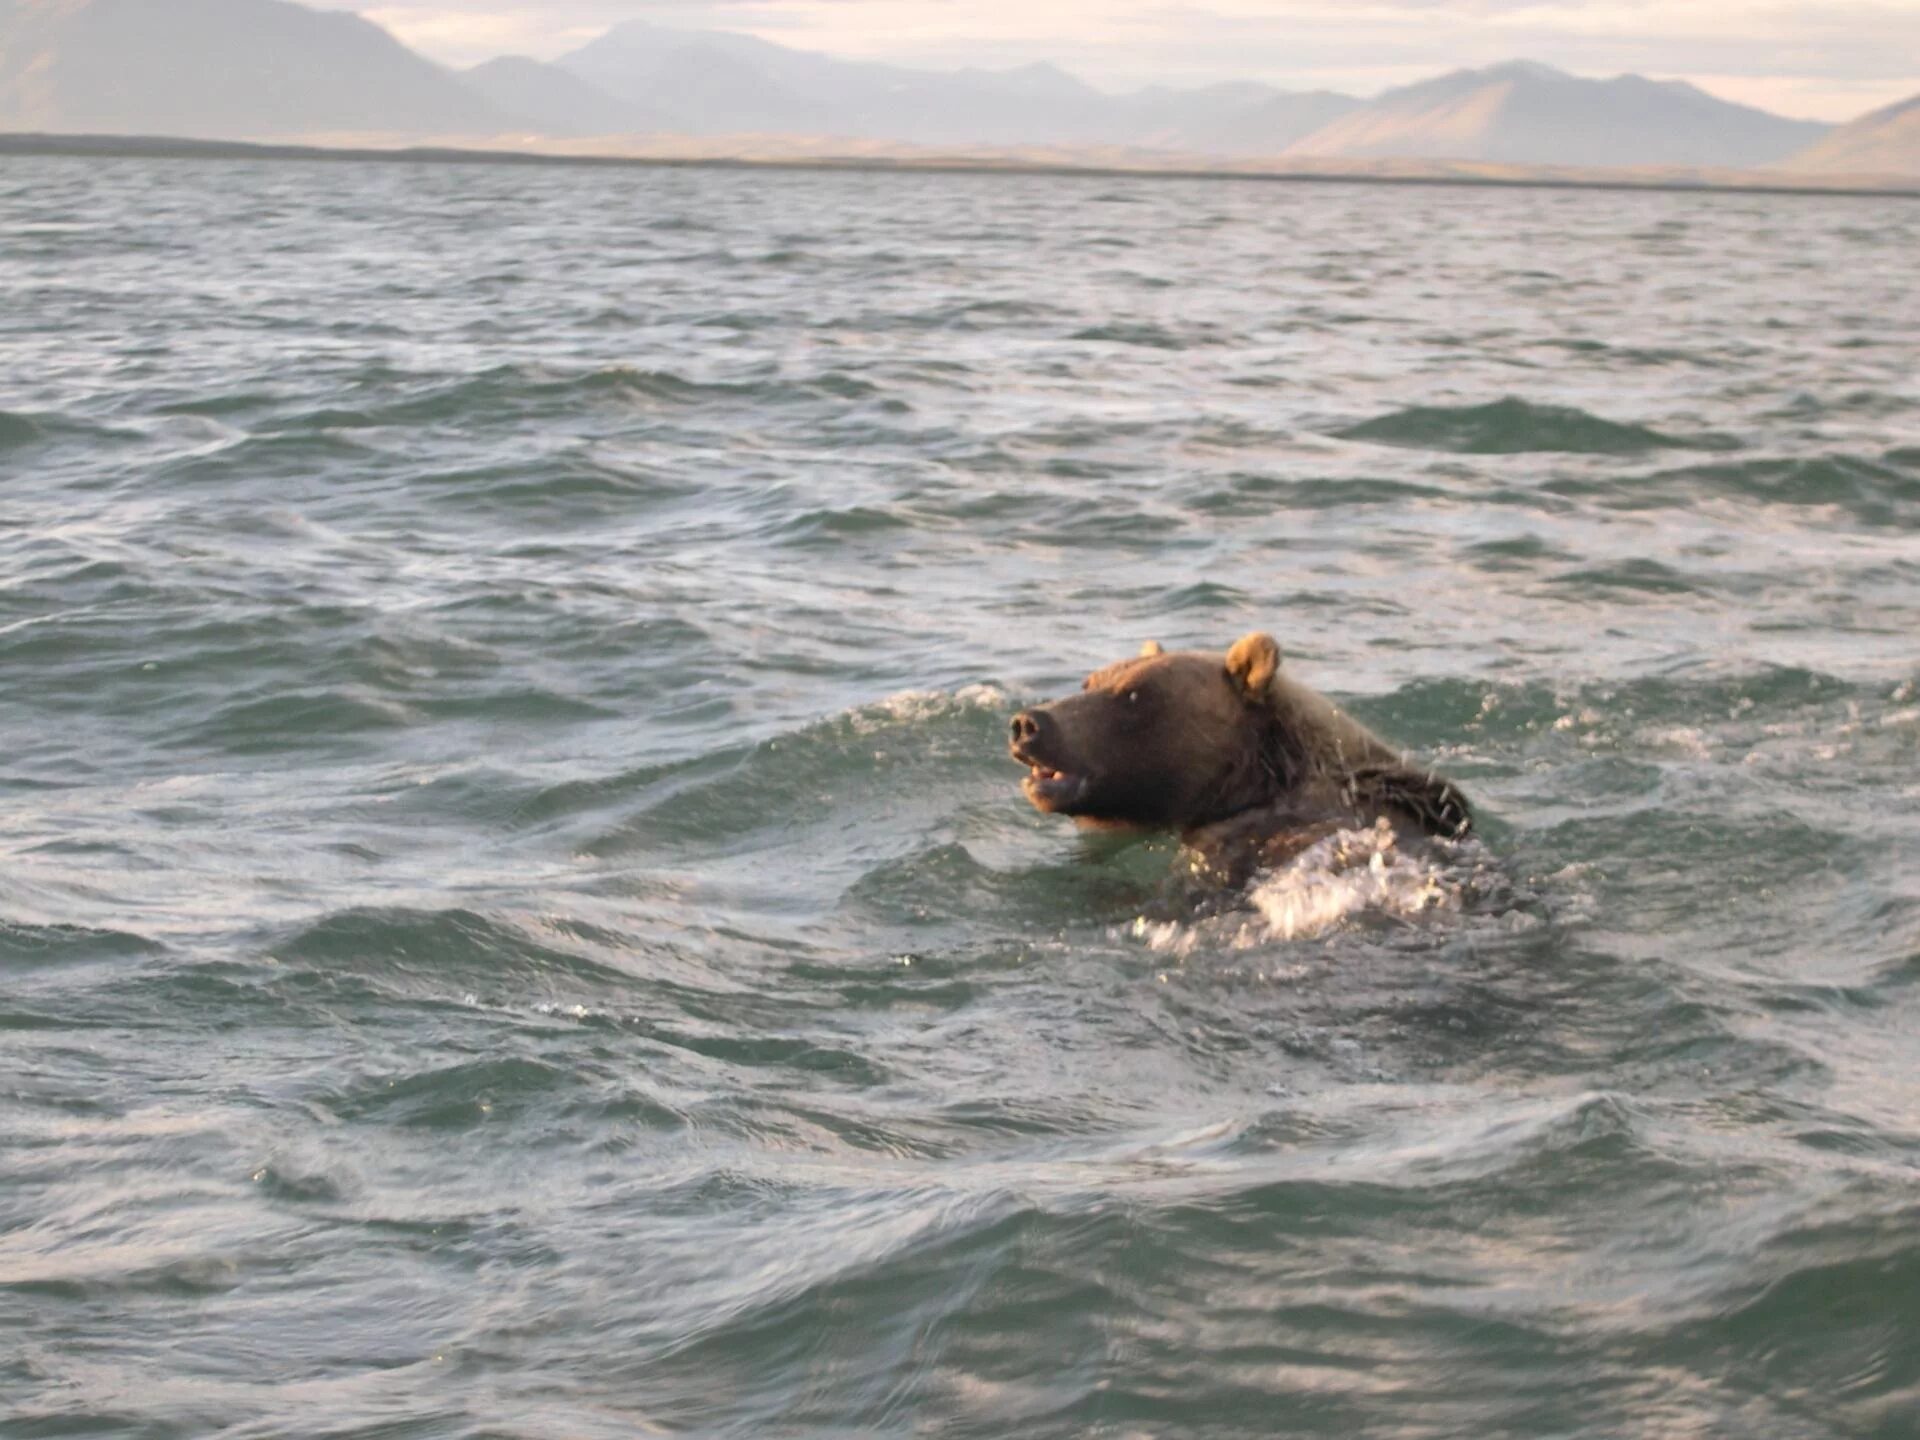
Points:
[(1026, 727)]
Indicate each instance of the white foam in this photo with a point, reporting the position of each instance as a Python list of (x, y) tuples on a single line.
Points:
[(1350, 873), (570, 1012), (911, 706), (1687, 739)]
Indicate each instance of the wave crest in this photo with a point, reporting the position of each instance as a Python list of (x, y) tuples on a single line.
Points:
[(1515, 427)]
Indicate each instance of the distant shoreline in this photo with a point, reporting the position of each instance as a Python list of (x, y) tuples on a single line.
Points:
[(169, 148)]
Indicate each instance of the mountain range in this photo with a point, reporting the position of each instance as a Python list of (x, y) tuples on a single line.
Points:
[(273, 69)]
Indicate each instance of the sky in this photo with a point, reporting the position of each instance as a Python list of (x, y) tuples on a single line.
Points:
[(1819, 61)]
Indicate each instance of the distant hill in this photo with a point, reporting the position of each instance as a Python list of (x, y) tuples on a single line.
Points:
[(715, 82), (1523, 113), (220, 68), (550, 101), (711, 83), (1232, 119), (1885, 142)]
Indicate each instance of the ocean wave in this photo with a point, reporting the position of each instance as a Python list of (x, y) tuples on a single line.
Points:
[(440, 953), (475, 1092), (1883, 493), (20, 430), (24, 945), (832, 770), (506, 395), (297, 721), (831, 526), (1514, 427), (581, 483)]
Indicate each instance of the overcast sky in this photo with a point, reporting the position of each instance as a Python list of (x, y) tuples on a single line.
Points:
[(1824, 61)]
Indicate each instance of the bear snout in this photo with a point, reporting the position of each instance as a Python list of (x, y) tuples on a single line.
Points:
[(1029, 729)]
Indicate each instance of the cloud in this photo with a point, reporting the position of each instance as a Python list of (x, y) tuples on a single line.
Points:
[(1833, 60)]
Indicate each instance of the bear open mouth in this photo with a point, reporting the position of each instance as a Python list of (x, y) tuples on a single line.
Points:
[(1051, 789)]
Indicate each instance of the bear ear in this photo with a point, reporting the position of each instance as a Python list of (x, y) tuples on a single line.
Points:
[(1151, 650), (1253, 662)]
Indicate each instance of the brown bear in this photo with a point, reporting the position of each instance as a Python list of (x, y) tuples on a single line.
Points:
[(1248, 764)]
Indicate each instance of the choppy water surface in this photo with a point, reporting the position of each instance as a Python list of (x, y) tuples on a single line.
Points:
[(516, 920)]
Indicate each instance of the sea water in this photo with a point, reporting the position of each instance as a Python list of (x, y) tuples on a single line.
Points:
[(516, 918)]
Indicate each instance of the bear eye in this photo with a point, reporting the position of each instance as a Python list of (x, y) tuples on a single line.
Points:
[(1133, 697)]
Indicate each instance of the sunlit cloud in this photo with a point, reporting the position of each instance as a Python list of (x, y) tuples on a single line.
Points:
[(1823, 60)]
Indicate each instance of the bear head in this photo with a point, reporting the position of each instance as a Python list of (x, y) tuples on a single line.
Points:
[(1184, 741), (1161, 740)]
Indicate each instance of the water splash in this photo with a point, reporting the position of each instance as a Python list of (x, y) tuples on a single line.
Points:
[(1348, 875)]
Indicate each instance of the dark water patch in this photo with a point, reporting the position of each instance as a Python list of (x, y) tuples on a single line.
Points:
[(505, 395), (18, 430), (1518, 554), (1152, 337), (25, 946), (1251, 495), (1097, 525), (1641, 576), (1770, 849), (219, 406), (1062, 468), (1621, 713), (1885, 494), (1440, 707), (796, 1056), (528, 705), (1643, 356), (510, 389), (1205, 595), (299, 721), (209, 654), (453, 1097), (839, 385), (833, 527), (1830, 1319), (581, 485), (296, 455), (986, 315), (440, 953), (982, 505), (1514, 426), (1818, 408), (908, 981), (924, 1274), (932, 887), (60, 432), (858, 760)]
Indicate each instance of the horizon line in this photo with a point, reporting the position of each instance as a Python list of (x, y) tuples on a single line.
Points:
[(80, 145)]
